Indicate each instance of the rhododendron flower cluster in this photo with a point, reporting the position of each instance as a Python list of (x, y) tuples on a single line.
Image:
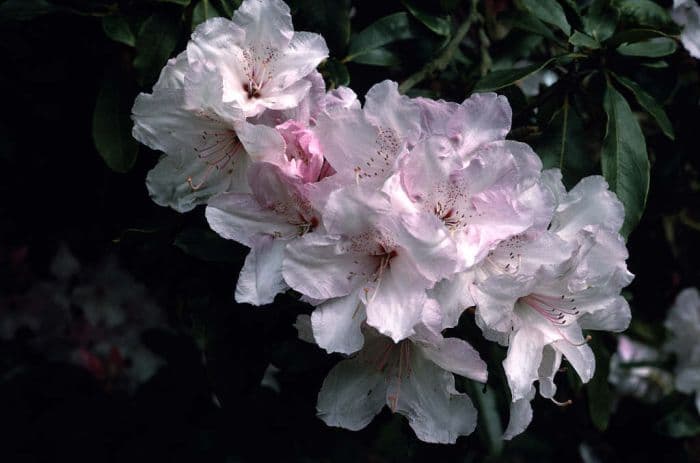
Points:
[(391, 218)]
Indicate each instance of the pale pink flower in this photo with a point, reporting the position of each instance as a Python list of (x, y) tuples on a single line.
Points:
[(683, 325), (645, 382), (413, 377)]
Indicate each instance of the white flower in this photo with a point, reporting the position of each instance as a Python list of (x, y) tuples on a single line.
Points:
[(686, 13), (645, 382), (683, 324)]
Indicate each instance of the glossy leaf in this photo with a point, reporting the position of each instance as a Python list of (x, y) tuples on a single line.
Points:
[(504, 77), (204, 10), (624, 158), (111, 125), (549, 11), (438, 24), (649, 104), (117, 28), (335, 73), (384, 31)]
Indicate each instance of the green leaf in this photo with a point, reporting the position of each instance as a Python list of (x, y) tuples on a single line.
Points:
[(438, 24), (549, 11), (24, 10), (649, 104), (154, 45), (624, 158), (489, 429), (177, 2), (580, 39), (384, 31), (334, 73), (330, 18), (529, 23), (117, 28), (643, 12), (202, 11), (111, 124), (601, 20), (635, 35), (598, 390), (652, 48), (563, 145), (679, 424), (504, 77), (204, 244), (378, 57)]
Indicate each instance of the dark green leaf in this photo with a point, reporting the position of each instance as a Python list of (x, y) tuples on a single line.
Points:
[(643, 13), (204, 10), (580, 39), (549, 11), (504, 77), (335, 73), (635, 35), (154, 45), (111, 125), (530, 23), (489, 428), (652, 48), (378, 57), (624, 158), (598, 389), (206, 245), (601, 20), (649, 104), (24, 10), (384, 31), (177, 2), (679, 424), (117, 28), (563, 145), (438, 24), (330, 18)]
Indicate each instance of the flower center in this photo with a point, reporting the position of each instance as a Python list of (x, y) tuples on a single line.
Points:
[(558, 310)]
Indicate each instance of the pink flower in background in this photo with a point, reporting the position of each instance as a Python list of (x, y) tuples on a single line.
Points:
[(683, 325)]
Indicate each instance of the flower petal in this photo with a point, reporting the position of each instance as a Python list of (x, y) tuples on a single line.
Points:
[(260, 279), (523, 360), (336, 324)]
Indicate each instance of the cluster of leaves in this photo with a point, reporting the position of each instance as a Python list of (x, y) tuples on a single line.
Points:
[(624, 104)]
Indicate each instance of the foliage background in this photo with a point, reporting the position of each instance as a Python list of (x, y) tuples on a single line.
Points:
[(71, 173)]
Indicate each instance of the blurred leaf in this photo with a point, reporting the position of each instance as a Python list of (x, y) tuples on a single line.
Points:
[(24, 10), (649, 104), (529, 23), (378, 57), (653, 48), (635, 35), (643, 12), (601, 20), (177, 2), (624, 158), (438, 24), (678, 424), (206, 245), (549, 11), (111, 124), (204, 10), (330, 18), (580, 39), (154, 45), (384, 31), (504, 77), (598, 390), (335, 73), (117, 28), (660, 64)]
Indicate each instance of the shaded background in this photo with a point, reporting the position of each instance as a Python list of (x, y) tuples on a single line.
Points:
[(206, 402)]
